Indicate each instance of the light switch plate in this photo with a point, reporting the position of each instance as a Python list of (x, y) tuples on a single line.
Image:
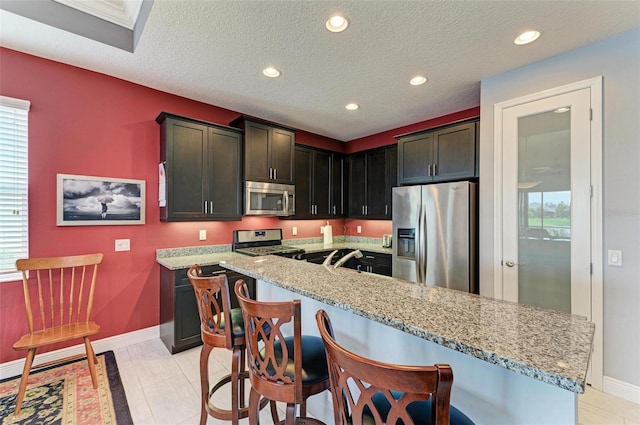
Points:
[(294, 231), (614, 257), (123, 244), (321, 230), (359, 229), (203, 235)]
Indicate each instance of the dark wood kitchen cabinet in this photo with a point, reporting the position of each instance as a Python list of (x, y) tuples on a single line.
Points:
[(444, 154), (268, 150), (372, 175), (179, 318), (371, 262), (318, 179), (202, 166)]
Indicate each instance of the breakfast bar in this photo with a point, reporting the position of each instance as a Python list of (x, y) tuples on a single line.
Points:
[(512, 364)]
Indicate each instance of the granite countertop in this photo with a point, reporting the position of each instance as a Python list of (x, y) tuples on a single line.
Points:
[(550, 346), (183, 258)]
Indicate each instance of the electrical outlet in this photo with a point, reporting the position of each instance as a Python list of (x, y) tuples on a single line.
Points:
[(321, 230), (123, 245), (359, 229), (203, 235), (294, 231)]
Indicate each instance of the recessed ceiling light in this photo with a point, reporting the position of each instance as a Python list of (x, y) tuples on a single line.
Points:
[(351, 106), (418, 80), (527, 37), (271, 72), (337, 23), (561, 110)]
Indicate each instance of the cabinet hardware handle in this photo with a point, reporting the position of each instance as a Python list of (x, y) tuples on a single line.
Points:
[(334, 210), (429, 171), (386, 209), (366, 210), (363, 210), (275, 174), (205, 207), (435, 173), (210, 207), (270, 172)]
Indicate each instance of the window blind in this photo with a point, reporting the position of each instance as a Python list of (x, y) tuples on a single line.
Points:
[(14, 220)]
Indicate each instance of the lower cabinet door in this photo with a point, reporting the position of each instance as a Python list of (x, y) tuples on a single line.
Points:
[(187, 319)]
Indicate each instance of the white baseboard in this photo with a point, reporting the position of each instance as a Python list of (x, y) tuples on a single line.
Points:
[(13, 368), (621, 389)]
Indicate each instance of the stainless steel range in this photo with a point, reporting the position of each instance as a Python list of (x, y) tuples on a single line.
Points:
[(262, 242)]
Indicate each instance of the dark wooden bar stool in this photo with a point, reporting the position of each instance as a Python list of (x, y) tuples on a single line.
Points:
[(221, 327), (285, 369), (366, 391)]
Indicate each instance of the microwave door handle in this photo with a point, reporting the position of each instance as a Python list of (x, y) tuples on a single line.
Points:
[(286, 202)]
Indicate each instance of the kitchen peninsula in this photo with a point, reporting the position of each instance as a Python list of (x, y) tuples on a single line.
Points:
[(512, 364)]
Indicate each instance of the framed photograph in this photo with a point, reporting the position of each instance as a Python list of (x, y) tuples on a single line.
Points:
[(93, 201)]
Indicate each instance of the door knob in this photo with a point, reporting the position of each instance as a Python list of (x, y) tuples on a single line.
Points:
[(512, 264)]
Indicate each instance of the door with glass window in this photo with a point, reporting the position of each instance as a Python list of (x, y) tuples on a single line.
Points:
[(546, 211)]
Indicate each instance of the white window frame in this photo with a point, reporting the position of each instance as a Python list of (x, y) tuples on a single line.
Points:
[(14, 127)]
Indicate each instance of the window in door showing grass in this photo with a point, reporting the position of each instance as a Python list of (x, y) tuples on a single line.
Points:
[(549, 215), (14, 230)]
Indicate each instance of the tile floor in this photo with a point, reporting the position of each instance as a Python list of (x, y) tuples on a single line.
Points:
[(164, 389)]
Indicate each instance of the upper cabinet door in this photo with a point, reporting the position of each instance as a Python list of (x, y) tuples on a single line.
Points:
[(415, 157), (455, 152), (184, 157), (356, 185), (322, 183), (256, 140), (304, 183), (224, 157), (281, 153)]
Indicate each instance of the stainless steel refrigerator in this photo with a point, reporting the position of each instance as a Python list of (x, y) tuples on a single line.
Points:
[(435, 235)]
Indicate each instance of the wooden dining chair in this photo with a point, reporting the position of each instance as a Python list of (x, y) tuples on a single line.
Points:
[(285, 369), (366, 391), (221, 327), (58, 296)]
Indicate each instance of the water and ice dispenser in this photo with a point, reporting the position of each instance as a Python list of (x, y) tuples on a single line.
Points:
[(406, 243)]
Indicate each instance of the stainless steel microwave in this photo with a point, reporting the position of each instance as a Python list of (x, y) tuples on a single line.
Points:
[(269, 199)]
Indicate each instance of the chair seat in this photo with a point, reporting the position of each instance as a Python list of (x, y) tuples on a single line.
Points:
[(419, 411), (238, 322), (314, 360), (56, 334)]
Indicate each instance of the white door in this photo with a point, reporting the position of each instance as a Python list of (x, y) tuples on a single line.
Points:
[(546, 203)]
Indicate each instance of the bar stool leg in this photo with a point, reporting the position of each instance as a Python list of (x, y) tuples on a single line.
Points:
[(204, 382)]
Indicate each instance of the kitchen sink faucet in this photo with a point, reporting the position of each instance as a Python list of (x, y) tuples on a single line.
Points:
[(352, 254)]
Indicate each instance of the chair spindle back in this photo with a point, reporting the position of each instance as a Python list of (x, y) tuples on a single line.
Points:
[(62, 288)]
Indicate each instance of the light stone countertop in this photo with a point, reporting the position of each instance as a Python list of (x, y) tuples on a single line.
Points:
[(183, 258), (550, 346)]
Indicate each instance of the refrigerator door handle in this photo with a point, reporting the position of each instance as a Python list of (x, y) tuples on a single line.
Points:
[(424, 249), (419, 245)]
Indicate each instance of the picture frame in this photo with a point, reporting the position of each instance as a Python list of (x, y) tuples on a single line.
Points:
[(99, 201)]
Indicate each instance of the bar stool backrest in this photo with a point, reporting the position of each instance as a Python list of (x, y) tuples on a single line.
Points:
[(356, 380), (214, 306), (264, 322)]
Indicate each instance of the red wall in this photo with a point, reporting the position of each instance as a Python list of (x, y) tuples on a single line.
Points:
[(86, 123)]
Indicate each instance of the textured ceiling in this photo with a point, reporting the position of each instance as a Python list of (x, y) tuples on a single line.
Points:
[(214, 52)]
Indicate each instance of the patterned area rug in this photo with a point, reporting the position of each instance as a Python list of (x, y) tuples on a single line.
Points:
[(63, 394)]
